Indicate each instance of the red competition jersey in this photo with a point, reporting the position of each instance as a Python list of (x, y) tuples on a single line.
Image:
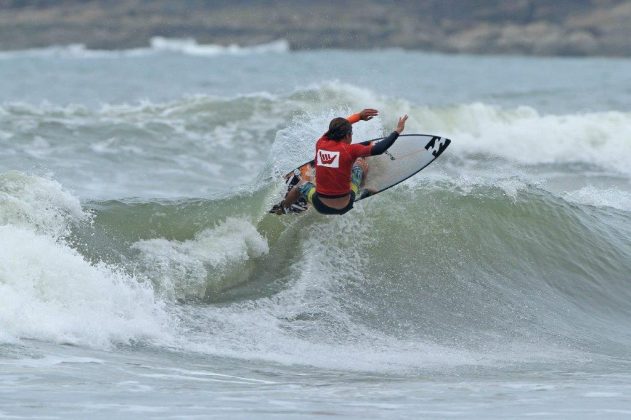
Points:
[(334, 161)]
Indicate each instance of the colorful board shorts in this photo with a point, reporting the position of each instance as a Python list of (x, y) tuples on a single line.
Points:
[(309, 194)]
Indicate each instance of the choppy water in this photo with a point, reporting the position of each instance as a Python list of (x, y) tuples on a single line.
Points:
[(141, 276)]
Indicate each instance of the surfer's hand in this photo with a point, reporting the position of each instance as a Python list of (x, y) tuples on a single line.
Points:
[(368, 114), (401, 124)]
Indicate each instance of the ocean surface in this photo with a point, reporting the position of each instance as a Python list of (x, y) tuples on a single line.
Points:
[(141, 277)]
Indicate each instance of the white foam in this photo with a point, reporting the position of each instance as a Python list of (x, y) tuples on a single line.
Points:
[(511, 186), (525, 136), (189, 268), (48, 291), (601, 197), (50, 361), (157, 45), (69, 50), (39, 203), (190, 47)]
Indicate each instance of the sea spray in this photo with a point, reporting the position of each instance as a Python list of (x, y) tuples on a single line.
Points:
[(38, 203)]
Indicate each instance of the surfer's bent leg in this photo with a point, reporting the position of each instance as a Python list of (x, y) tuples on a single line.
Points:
[(291, 197), (307, 190), (357, 175)]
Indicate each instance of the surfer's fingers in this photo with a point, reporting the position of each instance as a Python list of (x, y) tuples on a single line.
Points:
[(401, 124)]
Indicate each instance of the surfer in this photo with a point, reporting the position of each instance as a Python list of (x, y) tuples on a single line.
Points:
[(340, 166)]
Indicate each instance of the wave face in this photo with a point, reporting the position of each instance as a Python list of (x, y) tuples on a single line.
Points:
[(145, 225), (438, 274)]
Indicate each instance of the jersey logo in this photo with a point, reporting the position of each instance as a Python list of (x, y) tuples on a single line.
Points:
[(328, 159)]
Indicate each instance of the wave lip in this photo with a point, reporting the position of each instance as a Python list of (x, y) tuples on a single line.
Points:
[(601, 197), (37, 203)]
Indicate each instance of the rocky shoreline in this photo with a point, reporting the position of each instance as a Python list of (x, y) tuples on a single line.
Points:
[(529, 27)]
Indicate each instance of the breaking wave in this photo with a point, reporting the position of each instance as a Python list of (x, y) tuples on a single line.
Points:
[(513, 247), (501, 274)]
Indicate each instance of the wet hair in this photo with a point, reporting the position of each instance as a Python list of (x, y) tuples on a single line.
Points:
[(339, 128)]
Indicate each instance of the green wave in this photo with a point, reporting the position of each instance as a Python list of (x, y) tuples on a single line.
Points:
[(480, 241)]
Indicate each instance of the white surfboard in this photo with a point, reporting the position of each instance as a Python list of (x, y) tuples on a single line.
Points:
[(407, 156)]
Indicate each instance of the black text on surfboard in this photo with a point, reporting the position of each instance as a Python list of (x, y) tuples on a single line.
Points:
[(442, 145)]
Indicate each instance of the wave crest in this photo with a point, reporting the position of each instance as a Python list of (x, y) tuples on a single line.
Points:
[(38, 203), (215, 259)]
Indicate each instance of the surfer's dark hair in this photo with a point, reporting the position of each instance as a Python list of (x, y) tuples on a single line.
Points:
[(339, 128)]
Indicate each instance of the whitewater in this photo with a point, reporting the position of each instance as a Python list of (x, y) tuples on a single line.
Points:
[(141, 275)]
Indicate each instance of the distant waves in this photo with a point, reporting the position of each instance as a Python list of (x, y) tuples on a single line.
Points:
[(157, 45)]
